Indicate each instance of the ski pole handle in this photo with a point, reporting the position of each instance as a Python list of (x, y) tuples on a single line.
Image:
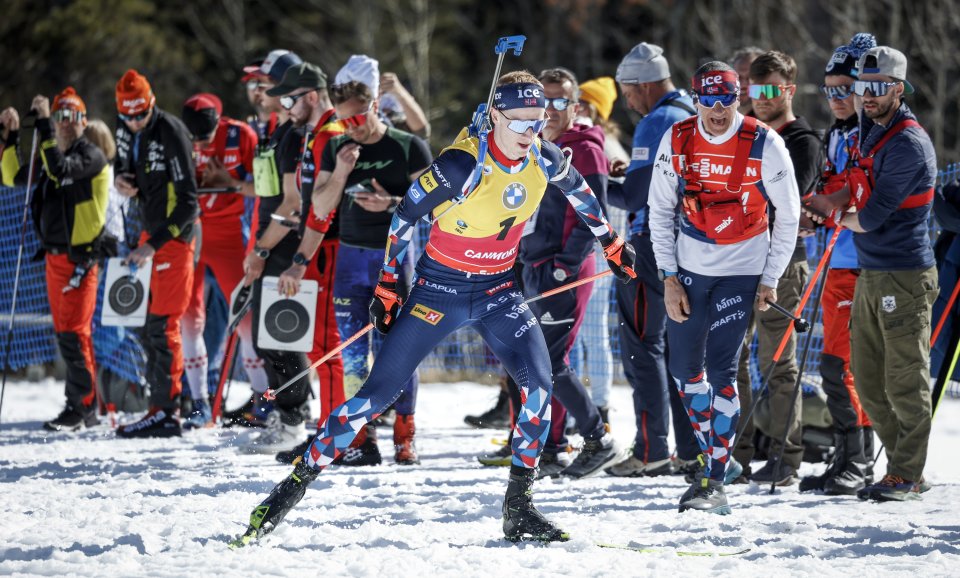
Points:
[(271, 394), (511, 42), (570, 285), (799, 323)]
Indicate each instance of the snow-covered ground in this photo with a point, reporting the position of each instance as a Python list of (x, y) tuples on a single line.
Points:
[(88, 504)]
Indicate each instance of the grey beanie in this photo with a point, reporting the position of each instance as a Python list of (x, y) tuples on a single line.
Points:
[(645, 63)]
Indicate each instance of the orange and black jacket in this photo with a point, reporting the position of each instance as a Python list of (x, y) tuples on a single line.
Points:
[(69, 204), (161, 159)]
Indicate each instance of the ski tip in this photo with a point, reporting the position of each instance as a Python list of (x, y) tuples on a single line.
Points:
[(243, 540), (657, 550)]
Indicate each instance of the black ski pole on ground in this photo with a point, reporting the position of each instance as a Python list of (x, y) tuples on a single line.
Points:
[(16, 276), (797, 386)]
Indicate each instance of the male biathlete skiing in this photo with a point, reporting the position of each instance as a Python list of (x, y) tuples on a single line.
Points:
[(467, 279)]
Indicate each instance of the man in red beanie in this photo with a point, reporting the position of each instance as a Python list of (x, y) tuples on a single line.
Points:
[(224, 149), (69, 209), (154, 164)]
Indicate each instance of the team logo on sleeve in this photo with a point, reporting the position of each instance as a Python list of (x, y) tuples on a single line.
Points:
[(427, 182), (431, 316), (514, 196)]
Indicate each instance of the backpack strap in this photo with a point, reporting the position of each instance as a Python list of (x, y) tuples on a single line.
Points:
[(745, 137), (894, 131)]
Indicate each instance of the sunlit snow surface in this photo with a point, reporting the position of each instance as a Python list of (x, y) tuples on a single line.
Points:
[(89, 504)]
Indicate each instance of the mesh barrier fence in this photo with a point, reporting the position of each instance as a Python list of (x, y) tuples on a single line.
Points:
[(461, 356)]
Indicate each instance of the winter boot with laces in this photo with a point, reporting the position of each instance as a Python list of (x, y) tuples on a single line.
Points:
[(158, 423), (404, 432), (282, 499), (705, 495), (594, 456), (521, 519), (364, 450)]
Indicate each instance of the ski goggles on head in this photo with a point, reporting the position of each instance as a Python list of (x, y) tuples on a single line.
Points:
[(134, 117), (876, 87), (558, 104), (710, 100), (67, 115), (522, 126), (358, 119), (767, 91), (290, 100), (836, 92)]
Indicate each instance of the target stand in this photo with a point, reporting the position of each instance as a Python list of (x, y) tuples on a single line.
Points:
[(287, 323), (125, 295)]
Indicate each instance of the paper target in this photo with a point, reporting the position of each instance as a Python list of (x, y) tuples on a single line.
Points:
[(286, 324), (126, 295)]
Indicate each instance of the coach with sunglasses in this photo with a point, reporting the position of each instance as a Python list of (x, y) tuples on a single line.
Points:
[(721, 170), (890, 323), (69, 210), (773, 77), (155, 165)]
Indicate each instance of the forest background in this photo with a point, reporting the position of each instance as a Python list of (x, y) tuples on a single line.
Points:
[(442, 50)]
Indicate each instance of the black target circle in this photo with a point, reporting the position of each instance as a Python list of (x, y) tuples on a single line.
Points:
[(287, 321), (126, 296)]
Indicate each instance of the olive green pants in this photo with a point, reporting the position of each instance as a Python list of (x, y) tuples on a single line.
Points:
[(890, 358), (772, 412)]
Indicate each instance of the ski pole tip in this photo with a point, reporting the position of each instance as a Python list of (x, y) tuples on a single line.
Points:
[(269, 395)]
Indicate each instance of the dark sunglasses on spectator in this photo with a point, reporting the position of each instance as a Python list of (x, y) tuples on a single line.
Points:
[(558, 104), (876, 87), (358, 119), (710, 100), (134, 117), (290, 100), (65, 114), (836, 92)]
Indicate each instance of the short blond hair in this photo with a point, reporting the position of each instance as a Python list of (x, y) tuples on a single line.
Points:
[(518, 76)]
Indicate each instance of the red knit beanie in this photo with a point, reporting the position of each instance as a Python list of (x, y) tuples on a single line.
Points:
[(134, 94)]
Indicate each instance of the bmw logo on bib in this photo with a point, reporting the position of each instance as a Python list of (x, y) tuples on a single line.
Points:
[(514, 196)]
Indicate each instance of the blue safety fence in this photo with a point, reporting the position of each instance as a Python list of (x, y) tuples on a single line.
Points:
[(33, 339), (462, 355)]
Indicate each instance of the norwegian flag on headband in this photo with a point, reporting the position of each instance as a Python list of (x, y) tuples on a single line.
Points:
[(717, 82)]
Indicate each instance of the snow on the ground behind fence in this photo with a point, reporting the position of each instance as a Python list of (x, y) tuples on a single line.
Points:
[(91, 505)]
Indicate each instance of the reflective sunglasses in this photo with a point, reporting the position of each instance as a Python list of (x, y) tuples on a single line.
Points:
[(710, 100), (358, 119), (836, 92), (67, 115), (558, 104), (290, 100), (255, 84), (522, 126), (134, 117), (876, 87), (767, 91)]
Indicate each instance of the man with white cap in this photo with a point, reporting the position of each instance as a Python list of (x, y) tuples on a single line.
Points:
[(892, 190), (644, 77)]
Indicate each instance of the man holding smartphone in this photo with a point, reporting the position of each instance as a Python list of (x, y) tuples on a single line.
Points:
[(376, 164), (155, 165)]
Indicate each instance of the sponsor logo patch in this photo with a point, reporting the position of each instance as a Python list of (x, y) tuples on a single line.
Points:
[(514, 196), (889, 303), (431, 316), (640, 154), (427, 182)]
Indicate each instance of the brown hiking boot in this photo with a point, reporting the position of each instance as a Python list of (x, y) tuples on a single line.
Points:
[(404, 432)]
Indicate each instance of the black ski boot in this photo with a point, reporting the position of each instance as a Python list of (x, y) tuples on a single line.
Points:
[(837, 464), (521, 519), (497, 417), (852, 477), (593, 457), (707, 496), (282, 499)]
